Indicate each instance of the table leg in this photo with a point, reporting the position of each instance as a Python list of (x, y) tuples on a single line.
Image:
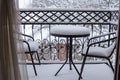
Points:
[(61, 67), (66, 59), (70, 56), (70, 53)]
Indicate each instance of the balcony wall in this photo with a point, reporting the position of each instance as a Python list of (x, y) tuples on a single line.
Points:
[(37, 23)]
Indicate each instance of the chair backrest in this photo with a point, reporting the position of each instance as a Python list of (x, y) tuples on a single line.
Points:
[(29, 45), (110, 38), (34, 46)]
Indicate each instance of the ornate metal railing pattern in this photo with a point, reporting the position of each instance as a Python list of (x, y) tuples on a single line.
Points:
[(39, 22), (66, 16)]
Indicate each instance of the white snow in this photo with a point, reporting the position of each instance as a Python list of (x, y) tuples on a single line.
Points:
[(68, 3), (91, 72)]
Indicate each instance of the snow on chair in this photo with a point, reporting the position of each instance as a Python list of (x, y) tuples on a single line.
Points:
[(31, 47), (95, 50)]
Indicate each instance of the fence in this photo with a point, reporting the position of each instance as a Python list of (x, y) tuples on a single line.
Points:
[(37, 23)]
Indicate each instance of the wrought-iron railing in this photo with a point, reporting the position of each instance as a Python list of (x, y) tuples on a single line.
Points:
[(37, 23)]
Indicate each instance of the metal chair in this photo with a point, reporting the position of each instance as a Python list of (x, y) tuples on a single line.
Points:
[(94, 48), (31, 47)]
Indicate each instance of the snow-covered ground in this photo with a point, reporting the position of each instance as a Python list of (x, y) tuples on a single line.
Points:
[(91, 72)]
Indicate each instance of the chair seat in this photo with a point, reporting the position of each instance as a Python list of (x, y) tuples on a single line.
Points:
[(99, 51), (33, 46)]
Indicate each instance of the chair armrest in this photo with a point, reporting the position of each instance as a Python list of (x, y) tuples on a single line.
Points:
[(90, 43), (27, 36), (24, 41), (102, 41), (107, 34), (30, 46)]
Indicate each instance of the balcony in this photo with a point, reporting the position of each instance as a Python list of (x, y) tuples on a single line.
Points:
[(37, 23)]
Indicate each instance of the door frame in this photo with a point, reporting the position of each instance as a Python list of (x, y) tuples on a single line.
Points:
[(117, 61)]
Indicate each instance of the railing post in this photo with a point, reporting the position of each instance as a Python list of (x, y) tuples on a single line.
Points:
[(24, 30), (41, 31), (110, 18), (50, 44), (32, 30)]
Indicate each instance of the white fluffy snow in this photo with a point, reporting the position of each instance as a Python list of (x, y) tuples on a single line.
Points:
[(91, 72)]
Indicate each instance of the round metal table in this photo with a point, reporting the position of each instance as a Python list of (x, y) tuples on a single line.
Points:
[(69, 32)]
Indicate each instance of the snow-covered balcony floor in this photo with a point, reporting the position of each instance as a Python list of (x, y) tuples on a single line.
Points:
[(91, 72)]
